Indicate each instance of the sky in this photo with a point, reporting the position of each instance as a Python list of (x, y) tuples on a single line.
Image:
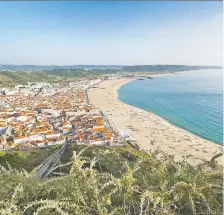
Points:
[(111, 33)]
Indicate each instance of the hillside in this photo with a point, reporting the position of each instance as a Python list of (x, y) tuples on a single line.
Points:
[(118, 181), (11, 67), (55, 74), (9, 78), (165, 68), (27, 160)]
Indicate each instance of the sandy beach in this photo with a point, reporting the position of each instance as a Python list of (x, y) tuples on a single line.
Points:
[(150, 130)]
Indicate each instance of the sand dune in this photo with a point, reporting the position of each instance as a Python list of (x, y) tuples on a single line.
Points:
[(150, 130)]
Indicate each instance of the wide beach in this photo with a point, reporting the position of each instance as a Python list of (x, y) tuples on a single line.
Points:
[(151, 131)]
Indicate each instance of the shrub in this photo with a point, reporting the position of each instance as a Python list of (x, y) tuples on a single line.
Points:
[(147, 186)]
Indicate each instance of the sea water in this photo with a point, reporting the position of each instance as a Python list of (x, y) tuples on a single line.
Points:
[(192, 100)]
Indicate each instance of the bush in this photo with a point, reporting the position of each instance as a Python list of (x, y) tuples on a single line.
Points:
[(147, 186)]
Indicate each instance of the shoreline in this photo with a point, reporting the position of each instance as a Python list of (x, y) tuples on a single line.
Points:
[(185, 130), (150, 130)]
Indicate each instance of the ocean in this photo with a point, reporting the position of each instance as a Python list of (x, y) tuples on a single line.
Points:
[(192, 100)]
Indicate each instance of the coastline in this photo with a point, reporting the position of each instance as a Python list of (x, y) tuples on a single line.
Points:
[(150, 130)]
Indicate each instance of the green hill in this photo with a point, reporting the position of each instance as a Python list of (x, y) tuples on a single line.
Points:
[(9, 78), (51, 74), (27, 160), (166, 68)]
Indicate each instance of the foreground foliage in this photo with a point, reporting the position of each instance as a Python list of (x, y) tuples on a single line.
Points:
[(146, 185), (27, 160)]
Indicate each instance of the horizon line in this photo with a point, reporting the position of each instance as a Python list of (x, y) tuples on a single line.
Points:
[(106, 65)]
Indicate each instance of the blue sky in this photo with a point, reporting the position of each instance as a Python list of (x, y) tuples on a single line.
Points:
[(69, 33)]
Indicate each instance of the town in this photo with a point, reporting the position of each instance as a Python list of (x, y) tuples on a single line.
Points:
[(43, 114)]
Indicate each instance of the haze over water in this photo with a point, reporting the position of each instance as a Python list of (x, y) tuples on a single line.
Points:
[(191, 100)]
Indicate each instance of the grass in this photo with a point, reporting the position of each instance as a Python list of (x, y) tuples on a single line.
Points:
[(28, 160)]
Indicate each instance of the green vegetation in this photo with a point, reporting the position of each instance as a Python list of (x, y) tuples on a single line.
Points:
[(118, 181), (10, 79), (27, 160), (55, 74), (165, 68), (80, 73), (49, 67), (106, 162)]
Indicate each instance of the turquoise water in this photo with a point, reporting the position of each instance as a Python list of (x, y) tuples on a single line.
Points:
[(191, 100)]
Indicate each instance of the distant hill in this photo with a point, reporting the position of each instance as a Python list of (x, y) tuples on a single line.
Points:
[(80, 72), (136, 68), (11, 75), (12, 78), (165, 68), (9, 79), (51, 67)]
